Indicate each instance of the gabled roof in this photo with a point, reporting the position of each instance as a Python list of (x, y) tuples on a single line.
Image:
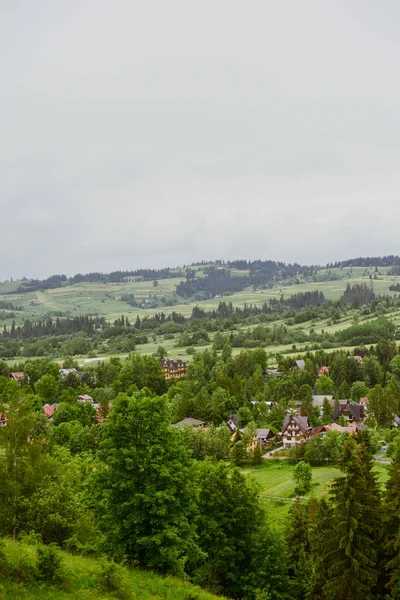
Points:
[(49, 409), (356, 410), (302, 423), (323, 371), (85, 398), (189, 421), (318, 399), (68, 371), (334, 427), (264, 433), (18, 375), (300, 364)]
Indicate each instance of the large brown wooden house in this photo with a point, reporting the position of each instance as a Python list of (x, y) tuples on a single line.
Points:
[(173, 368)]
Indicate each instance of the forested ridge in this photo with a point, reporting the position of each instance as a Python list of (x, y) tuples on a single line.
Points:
[(217, 278)]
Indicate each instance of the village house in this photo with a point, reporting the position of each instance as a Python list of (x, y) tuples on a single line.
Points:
[(352, 412), (49, 409), (19, 377), (85, 398), (295, 431), (173, 368), (189, 421), (272, 374), (263, 438), (232, 424), (299, 365), (323, 429), (323, 371)]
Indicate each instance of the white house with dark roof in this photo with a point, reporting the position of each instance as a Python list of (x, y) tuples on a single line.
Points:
[(295, 431)]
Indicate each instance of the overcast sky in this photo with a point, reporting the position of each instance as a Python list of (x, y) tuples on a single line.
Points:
[(160, 132)]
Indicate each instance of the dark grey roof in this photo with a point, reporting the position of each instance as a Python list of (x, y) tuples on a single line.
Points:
[(357, 410), (189, 421), (302, 422)]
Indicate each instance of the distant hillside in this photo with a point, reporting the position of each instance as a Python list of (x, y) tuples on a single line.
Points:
[(213, 278)]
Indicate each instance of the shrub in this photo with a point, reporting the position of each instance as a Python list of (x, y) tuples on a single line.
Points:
[(49, 564), (4, 565), (113, 579)]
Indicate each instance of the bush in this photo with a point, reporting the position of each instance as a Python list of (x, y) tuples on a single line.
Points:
[(49, 564), (4, 565), (113, 579), (25, 568)]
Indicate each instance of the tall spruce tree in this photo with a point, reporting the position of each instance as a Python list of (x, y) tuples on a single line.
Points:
[(298, 551), (349, 552), (392, 527)]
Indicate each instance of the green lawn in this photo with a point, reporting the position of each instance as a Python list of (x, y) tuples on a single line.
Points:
[(277, 487)]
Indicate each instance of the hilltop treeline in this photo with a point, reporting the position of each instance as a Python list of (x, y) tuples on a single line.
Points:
[(219, 281), (367, 261), (55, 281)]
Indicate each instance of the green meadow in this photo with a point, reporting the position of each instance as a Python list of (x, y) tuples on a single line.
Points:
[(275, 478)]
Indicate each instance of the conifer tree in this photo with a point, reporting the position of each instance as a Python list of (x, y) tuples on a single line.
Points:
[(392, 526), (298, 551), (348, 551)]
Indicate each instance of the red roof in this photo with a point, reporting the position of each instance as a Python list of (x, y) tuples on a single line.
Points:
[(17, 375), (49, 409), (323, 371)]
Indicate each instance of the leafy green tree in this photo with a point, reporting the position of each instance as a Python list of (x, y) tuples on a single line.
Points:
[(302, 476), (244, 416), (327, 411), (257, 457), (304, 395), (325, 385), (382, 403), (47, 388), (20, 460), (143, 491), (241, 554), (395, 366), (386, 350), (140, 371), (358, 390), (239, 454)]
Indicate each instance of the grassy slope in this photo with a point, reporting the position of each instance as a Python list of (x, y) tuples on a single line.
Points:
[(104, 300), (82, 584), (276, 481)]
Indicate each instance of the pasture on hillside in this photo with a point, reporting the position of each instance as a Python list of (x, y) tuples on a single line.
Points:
[(275, 478)]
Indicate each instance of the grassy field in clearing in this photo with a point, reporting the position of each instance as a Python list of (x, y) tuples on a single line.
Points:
[(277, 486)]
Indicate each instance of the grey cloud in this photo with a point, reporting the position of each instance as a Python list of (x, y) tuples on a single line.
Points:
[(151, 133)]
